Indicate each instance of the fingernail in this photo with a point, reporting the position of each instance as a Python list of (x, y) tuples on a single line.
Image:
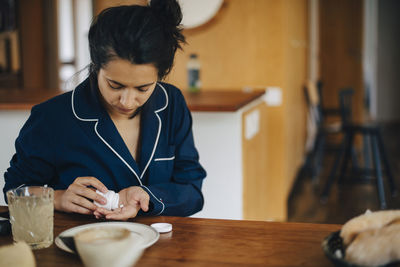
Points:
[(104, 201)]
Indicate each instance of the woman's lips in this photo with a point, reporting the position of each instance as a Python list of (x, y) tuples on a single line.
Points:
[(124, 110)]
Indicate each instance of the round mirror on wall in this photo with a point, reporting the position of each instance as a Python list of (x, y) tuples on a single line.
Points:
[(198, 12)]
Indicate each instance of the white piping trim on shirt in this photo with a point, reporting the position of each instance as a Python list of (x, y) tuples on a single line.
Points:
[(73, 109), (159, 130), (117, 154), (163, 159), (163, 206)]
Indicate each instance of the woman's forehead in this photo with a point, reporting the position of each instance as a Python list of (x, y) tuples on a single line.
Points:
[(127, 73)]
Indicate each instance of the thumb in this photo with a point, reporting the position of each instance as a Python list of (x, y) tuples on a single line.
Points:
[(144, 202)]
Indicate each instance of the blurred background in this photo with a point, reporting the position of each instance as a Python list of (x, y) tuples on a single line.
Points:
[(302, 52)]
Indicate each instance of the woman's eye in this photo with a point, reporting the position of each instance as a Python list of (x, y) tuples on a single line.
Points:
[(115, 86), (143, 89)]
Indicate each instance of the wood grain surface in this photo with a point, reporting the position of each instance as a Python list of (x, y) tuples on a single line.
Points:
[(231, 100), (219, 100), (24, 99), (210, 242)]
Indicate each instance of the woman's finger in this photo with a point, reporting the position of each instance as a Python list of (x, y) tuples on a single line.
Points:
[(83, 202), (79, 209), (98, 215), (103, 211), (92, 181), (90, 194), (144, 201), (124, 213), (82, 190), (119, 216)]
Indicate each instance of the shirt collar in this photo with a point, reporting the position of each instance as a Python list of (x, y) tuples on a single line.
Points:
[(86, 103)]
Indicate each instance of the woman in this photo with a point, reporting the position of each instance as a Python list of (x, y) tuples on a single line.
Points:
[(120, 129)]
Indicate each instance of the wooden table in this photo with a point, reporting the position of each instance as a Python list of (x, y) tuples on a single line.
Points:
[(210, 242)]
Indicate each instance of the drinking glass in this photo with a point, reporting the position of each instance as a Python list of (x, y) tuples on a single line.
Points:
[(32, 215)]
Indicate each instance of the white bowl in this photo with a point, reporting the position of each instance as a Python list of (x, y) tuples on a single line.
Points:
[(107, 246)]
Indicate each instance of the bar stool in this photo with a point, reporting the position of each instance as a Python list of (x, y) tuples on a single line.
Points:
[(317, 114), (371, 130)]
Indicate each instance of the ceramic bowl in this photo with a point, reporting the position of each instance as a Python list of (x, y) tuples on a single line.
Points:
[(107, 246)]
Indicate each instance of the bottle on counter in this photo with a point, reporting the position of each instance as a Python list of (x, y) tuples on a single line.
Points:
[(193, 70)]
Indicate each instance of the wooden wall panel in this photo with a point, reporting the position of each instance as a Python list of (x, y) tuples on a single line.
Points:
[(258, 190), (340, 50), (295, 71), (32, 36), (99, 5), (264, 188), (241, 46)]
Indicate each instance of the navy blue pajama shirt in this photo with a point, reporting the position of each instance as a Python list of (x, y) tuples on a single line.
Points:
[(72, 135)]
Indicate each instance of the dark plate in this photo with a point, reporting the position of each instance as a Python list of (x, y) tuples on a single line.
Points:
[(334, 250)]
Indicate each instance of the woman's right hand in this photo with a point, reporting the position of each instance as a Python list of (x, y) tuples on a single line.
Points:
[(79, 197)]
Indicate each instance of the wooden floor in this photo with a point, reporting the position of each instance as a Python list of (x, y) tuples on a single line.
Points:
[(348, 199)]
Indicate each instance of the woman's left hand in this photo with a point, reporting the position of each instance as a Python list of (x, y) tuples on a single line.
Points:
[(132, 198)]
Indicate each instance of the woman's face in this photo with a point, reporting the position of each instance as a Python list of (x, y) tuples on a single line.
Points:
[(125, 86)]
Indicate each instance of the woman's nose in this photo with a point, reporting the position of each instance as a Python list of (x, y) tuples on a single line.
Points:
[(127, 98)]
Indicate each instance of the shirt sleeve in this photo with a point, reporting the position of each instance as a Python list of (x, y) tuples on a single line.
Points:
[(33, 162), (182, 196)]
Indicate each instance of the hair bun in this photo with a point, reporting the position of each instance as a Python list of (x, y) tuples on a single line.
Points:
[(168, 10)]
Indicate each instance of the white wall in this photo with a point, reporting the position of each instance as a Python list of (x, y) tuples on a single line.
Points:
[(370, 54), (313, 40), (218, 138), (388, 86), (11, 122)]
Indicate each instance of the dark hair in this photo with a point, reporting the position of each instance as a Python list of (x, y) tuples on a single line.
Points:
[(140, 34)]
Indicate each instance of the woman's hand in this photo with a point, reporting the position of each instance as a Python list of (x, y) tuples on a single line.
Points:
[(132, 198), (79, 197)]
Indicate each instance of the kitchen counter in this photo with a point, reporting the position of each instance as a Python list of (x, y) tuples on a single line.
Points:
[(208, 100), (24, 99), (212, 100)]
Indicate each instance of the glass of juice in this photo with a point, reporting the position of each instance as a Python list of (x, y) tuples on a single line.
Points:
[(32, 215)]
